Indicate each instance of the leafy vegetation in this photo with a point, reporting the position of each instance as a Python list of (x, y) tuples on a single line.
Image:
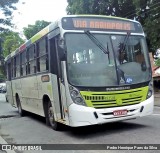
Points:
[(157, 62), (101, 7), (31, 30), (11, 41), (6, 9)]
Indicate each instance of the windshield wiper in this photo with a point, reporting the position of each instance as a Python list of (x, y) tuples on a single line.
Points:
[(125, 40), (96, 41)]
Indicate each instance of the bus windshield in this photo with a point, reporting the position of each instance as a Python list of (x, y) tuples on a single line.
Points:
[(126, 63)]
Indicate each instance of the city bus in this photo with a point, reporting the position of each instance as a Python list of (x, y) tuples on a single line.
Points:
[(82, 70)]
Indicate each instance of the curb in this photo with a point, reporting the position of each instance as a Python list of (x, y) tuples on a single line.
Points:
[(2, 141), (157, 105), (7, 116)]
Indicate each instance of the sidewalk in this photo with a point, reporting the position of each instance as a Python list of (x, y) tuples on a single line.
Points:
[(6, 110), (157, 99)]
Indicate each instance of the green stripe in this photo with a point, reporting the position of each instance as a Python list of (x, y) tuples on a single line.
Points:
[(40, 34)]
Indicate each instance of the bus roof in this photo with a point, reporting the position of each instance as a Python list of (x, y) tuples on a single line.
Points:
[(55, 25), (103, 16)]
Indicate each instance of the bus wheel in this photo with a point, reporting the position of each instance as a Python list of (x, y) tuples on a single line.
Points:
[(50, 120), (20, 110), (6, 99)]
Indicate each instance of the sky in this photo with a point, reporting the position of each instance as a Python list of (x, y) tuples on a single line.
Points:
[(29, 11)]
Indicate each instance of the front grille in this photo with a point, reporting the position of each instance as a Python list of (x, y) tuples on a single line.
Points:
[(115, 98)]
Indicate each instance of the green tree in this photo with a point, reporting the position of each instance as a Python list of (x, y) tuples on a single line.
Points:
[(147, 13), (6, 9), (11, 41), (2, 77), (31, 30), (152, 25), (101, 7), (157, 62)]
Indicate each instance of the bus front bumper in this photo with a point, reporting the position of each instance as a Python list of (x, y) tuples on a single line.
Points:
[(83, 116)]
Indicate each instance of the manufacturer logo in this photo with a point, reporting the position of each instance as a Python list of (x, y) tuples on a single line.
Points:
[(117, 88)]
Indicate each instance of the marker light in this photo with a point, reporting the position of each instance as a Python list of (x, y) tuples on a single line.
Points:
[(150, 90)]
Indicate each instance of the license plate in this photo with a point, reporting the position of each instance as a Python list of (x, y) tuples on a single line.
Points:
[(120, 112)]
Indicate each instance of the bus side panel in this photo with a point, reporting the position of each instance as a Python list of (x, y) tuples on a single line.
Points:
[(44, 89), (16, 88), (51, 90), (29, 98)]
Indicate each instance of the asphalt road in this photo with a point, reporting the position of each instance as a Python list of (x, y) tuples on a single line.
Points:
[(31, 129)]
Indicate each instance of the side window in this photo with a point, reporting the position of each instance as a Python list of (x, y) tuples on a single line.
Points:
[(14, 65), (17, 66), (12, 68), (8, 70), (27, 62), (23, 63), (31, 60), (42, 55)]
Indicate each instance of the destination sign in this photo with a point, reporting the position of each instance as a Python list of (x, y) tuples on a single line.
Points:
[(102, 24), (119, 25)]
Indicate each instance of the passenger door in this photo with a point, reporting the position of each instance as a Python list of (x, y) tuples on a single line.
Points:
[(59, 96)]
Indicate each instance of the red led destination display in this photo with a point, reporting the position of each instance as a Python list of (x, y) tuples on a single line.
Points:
[(100, 24)]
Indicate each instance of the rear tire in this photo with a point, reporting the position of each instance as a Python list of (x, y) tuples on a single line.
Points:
[(50, 119), (20, 110), (6, 100)]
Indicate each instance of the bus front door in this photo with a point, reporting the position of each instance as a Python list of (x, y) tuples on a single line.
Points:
[(59, 96)]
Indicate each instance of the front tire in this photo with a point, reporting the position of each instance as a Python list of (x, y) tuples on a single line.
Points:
[(50, 119)]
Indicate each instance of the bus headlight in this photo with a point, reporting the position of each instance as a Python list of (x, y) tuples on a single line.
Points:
[(74, 93), (150, 90), (76, 97)]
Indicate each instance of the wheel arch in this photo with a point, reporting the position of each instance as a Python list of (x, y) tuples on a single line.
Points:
[(45, 101), (16, 98)]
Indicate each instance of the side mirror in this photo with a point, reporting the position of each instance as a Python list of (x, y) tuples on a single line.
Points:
[(62, 54)]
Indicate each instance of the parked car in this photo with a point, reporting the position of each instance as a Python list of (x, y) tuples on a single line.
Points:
[(3, 88)]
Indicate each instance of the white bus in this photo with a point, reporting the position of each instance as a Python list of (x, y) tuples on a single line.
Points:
[(82, 70)]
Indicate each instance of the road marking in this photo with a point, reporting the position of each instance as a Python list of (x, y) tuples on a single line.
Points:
[(156, 114)]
